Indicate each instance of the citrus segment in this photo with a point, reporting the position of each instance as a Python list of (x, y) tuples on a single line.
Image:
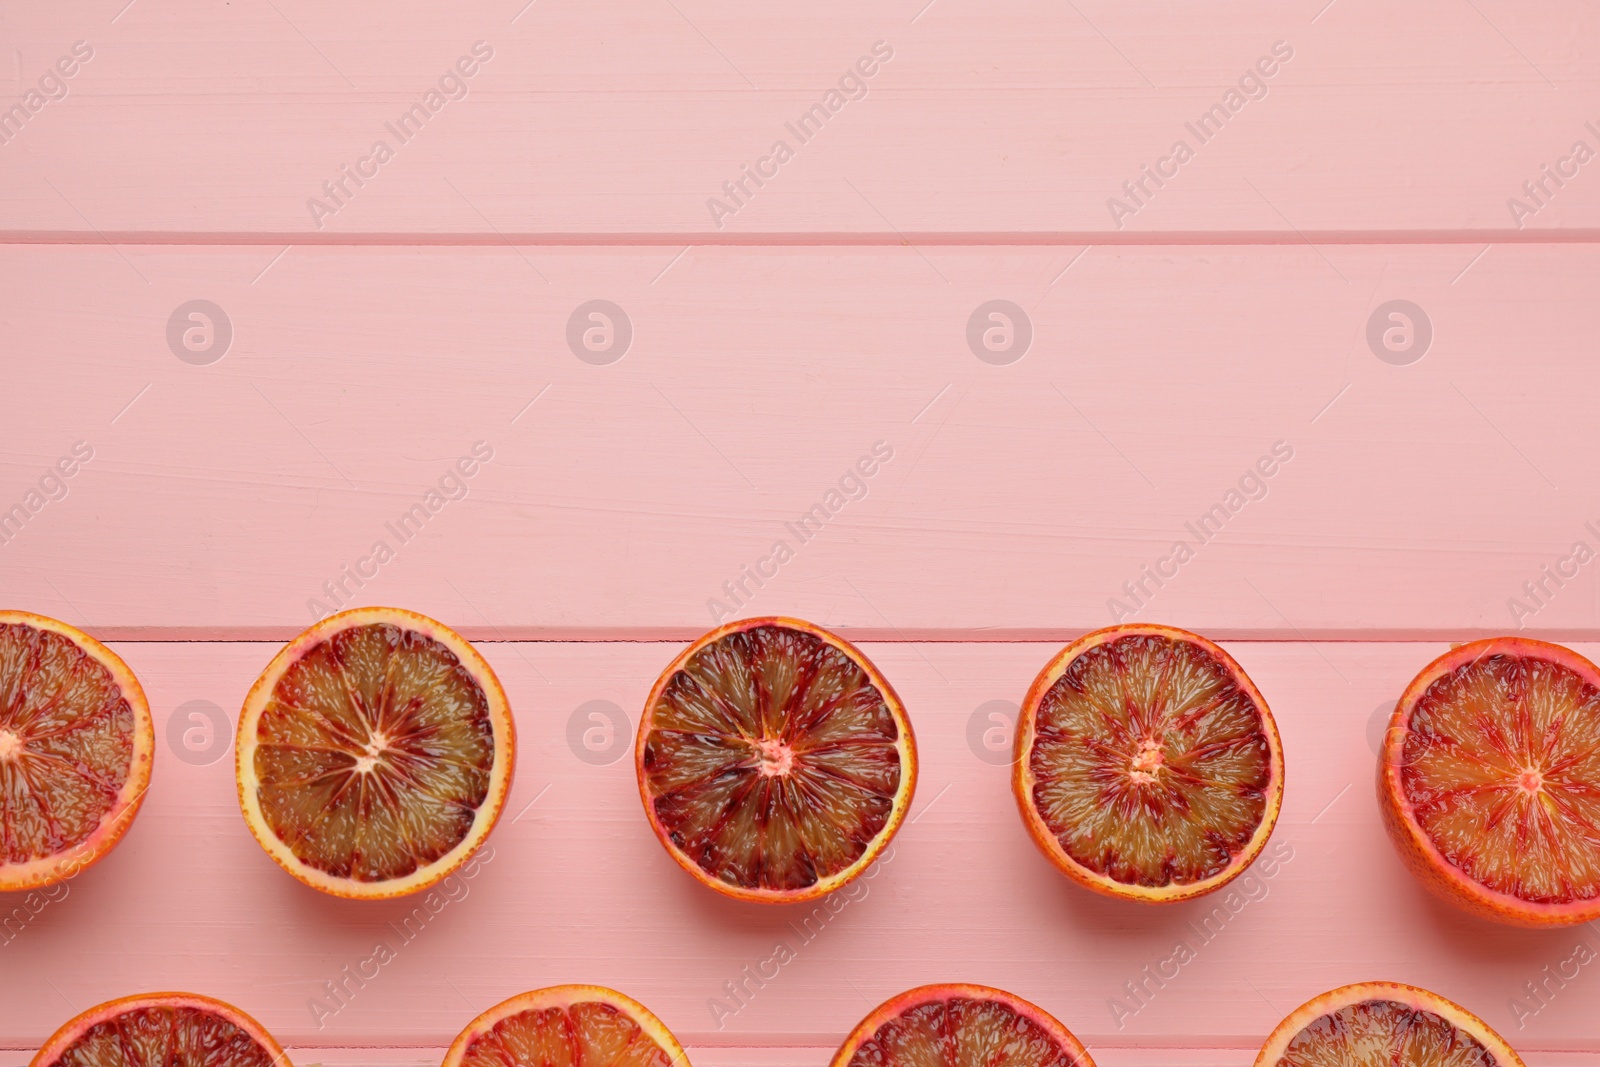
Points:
[(774, 760), (1381, 1024), (1148, 766), (375, 753), (76, 747), (960, 1026), (1490, 780), (162, 1030), (567, 1026)]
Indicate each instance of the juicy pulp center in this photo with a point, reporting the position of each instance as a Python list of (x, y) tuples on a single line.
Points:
[(1147, 761), (10, 745), (377, 745), (776, 757)]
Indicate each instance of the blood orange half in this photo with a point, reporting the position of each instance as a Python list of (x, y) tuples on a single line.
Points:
[(1489, 781), (1148, 766), (162, 1030), (960, 1026), (567, 1026), (76, 747), (375, 754), (1382, 1024), (774, 760)]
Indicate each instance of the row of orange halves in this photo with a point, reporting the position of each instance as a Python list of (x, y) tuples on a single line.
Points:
[(1371, 1023), (375, 753)]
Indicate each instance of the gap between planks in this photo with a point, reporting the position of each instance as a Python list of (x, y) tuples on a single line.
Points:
[(886, 239)]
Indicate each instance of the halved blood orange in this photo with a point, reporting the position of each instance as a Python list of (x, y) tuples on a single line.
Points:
[(960, 1026), (567, 1026), (375, 753), (774, 760), (76, 747), (1489, 781), (1384, 1024), (162, 1030), (1148, 766)]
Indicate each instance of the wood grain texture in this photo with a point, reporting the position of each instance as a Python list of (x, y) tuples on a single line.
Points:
[(1020, 500), (626, 118), (378, 337), (579, 890)]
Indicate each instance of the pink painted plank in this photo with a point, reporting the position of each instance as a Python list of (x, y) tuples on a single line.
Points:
[(621, 500), (579, 890), (626, 119)]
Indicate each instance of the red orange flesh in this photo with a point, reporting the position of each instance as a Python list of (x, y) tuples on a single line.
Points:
[(1148, 765), (76, 749), (1384, 1024), (959, 1025), (375, 754), (774, 760), (1489, 781), (162, 1030), (567, 1026)]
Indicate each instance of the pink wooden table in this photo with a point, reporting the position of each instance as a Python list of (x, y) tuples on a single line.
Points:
[(1176, 323)]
